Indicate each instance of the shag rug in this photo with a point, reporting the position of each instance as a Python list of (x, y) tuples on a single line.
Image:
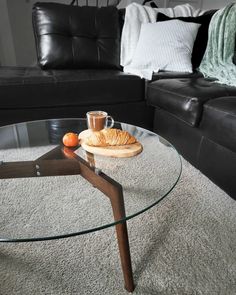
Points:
[(185, 245)]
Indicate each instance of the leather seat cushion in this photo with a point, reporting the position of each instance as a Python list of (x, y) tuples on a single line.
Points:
[(76, 37), (22, 87), (184, 97), (219, 121)]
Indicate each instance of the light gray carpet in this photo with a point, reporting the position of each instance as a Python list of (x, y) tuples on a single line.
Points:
[(184, 245)]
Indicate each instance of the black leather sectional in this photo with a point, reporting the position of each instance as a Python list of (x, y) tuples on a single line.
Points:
[(198, 117), (79, 59)]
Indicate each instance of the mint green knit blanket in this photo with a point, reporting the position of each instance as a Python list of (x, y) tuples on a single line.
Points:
[(217, 61)]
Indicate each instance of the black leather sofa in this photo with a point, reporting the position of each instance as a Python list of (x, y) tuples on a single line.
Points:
[(198, 117), (195, 114), (32, 94), (78, 51)]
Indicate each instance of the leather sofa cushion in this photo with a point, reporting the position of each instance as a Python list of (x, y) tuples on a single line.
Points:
[(76, 37), (219, 121), (184, 97), (22, 88), (202, 35)]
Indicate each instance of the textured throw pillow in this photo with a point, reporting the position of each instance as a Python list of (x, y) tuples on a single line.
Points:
[(164, 46), (76, 37), (202, 35)]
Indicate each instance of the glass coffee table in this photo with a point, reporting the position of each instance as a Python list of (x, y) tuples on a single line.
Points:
[(50, 192)]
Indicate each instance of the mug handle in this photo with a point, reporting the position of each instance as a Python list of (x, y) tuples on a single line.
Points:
[(112, 122)]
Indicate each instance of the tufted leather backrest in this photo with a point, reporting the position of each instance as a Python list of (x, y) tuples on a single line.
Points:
[(98, 3), (76, 37)]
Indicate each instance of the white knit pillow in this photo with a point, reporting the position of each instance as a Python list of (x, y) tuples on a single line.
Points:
[(164, 46)]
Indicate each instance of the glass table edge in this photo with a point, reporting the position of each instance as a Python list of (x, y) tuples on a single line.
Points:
[(73, 234)]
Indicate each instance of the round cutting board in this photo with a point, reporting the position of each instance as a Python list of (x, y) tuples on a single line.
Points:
[(118, 151)]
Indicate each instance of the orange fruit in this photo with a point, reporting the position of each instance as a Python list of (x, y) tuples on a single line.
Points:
[(70, 139)]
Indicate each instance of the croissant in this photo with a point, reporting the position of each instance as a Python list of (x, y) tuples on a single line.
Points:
[(109, 137)]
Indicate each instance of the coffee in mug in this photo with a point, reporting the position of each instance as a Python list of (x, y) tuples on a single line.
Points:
[(98, 120)]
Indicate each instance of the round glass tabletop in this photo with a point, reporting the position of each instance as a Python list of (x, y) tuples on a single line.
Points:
[(49, 191)]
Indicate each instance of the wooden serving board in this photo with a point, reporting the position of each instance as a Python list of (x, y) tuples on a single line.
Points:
[(118, 151)]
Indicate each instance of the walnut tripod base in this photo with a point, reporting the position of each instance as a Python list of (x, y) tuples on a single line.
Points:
[(63, 161)]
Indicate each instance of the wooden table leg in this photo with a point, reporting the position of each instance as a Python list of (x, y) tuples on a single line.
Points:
[(114, 192), (123, 243), (117, 203)]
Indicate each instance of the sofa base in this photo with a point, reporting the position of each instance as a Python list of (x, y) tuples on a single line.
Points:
[(137, 113), (184, 138), (219, 164), (215, 161)]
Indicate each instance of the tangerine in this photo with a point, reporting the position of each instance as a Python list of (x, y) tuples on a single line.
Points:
[(70, 139)]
